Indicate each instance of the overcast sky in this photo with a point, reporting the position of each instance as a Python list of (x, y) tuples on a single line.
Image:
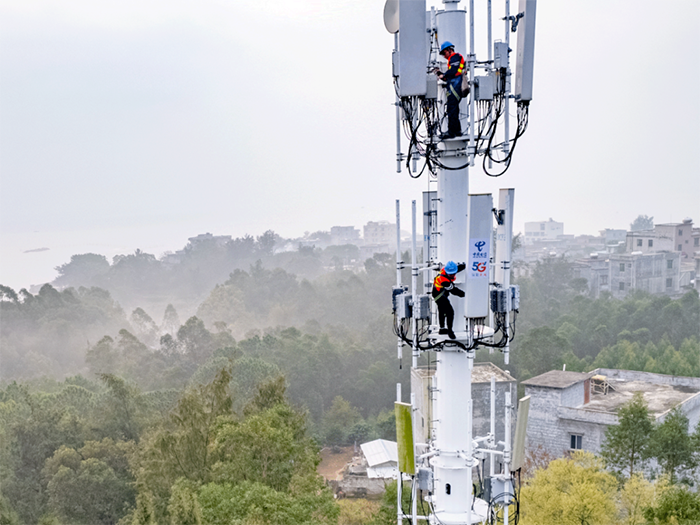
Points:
[(138, 123)]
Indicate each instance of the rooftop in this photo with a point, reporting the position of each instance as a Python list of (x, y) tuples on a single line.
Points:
[(380, 451), (557, 379), (659, 398), (660, 392), (481, 373)]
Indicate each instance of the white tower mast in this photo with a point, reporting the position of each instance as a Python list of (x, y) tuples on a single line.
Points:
[(464, 232)]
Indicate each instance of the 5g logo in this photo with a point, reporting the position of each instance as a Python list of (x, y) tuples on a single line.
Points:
[(479, 267)]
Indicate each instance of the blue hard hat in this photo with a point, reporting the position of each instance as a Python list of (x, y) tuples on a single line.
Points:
[(450, 267), (445, 45)]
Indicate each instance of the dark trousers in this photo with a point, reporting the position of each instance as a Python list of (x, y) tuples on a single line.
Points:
[(445, 312), (454, 127)]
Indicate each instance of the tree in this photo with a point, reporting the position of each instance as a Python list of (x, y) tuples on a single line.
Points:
[(269, 446), (338, 420), (87, 269), (184, 508), (145, 512), (171, 321), (266, 243), (673, 446), (121, 414), (642, 222), (7, 515), (626, 444), (675, 506), (256, 503), (145, 327), (92, 484), (635, 497), (540, 351), (195, 340), (181, 446), (570, 491)]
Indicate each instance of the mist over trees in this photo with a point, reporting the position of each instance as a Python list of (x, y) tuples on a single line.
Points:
[(198, 387)]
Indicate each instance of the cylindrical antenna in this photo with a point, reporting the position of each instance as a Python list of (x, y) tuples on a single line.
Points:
[(489, 31), (492, 443), (399, 343), (506, 459), (472, 58), (507, 93), (398, 114), (398, 243), (414, 285)]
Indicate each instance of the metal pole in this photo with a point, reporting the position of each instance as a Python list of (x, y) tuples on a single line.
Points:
[(507, 93), (399, 477), (489, 31), (492, 441), (398, 116), (506, 459), (472, 59), (489, 26), (504, 239), (398, 243), (399, 264), (414, 481), (414, 286)]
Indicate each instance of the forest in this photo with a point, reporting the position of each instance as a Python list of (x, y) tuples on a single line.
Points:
[(143, 391)]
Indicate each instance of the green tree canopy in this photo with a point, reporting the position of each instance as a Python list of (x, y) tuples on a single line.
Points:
[(570, 491), (673, 446), (626, 445)]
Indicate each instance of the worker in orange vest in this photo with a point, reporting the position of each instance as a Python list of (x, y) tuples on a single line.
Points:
[(443, 286), (453, 78)]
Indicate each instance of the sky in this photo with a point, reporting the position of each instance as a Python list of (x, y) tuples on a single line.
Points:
[(140, 123)]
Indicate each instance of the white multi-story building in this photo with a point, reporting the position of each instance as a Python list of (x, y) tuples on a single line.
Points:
[(382, 232), (345, 235), (543, 230)]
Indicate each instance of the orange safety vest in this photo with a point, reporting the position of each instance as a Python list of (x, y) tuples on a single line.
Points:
[(442, 283), (460, 68)]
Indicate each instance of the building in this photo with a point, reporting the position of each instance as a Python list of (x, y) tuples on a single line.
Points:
[(622, 273), (344, 235), (612, 237), (543, 230), (572, 410), (656, 273), (218, 240), (648, 241), (682, 235), (421, 385), (380, 233), (382, 458), (366, 475)]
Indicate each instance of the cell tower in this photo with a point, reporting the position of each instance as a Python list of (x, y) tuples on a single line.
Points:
[(458, 227)]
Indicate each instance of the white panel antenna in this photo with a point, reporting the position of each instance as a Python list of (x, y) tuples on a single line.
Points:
[(478, 267), (413, 49), (525, 54)]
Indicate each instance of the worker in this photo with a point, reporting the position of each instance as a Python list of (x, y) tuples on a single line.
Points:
[(453, 80), (443, 286)]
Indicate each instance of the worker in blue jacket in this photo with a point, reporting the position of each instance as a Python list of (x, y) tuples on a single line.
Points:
[(453, 79)]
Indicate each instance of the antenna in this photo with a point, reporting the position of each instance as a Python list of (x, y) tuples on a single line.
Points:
[(391, 16)]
